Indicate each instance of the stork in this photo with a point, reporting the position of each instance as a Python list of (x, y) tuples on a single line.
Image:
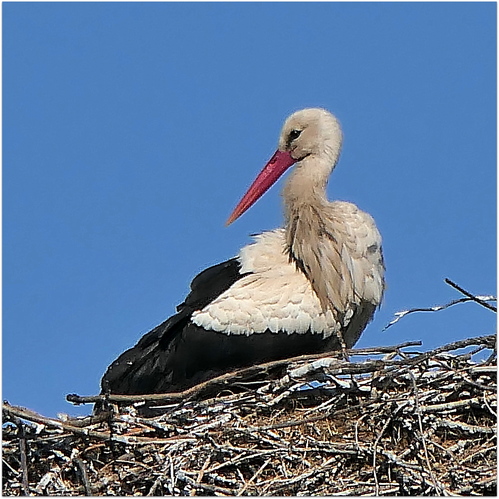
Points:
[(309, 287)]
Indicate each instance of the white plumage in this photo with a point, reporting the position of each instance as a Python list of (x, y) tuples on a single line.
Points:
[(277, 296)]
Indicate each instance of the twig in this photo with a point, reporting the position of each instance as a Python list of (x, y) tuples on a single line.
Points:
[(246, 484), (55, 423), (494, 413), (84, 476), (470, 457), (478, 299), (225, 378), (209, 488), (464, 427), (152, 490), (201, 473), (456, 345), (279, 484), (450, 406), (437, 486), (375, 448), (24, 463), (240, 459)]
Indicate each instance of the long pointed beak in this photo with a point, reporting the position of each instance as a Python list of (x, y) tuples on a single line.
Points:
[(278, 164)]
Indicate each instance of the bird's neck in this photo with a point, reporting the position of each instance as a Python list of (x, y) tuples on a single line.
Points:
[(306, 185), (306, 208), (305, 225)]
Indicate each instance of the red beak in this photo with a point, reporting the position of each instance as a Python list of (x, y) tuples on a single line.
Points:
[(278, 164)]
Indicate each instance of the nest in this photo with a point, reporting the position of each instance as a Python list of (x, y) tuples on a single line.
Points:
[(390, 421)]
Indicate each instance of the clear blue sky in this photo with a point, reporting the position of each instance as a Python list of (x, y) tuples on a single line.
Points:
[(131, 130)]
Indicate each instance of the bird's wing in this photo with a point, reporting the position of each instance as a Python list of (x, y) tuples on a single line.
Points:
[(123, 375)]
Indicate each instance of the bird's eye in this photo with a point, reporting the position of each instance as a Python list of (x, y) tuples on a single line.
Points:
[(294, 134)]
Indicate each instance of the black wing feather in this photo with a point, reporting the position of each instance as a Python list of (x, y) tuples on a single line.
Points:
[(144, 367), (211, 283)]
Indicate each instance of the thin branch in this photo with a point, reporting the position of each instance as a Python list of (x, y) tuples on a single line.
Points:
[(478, 299), (28, 415), (482, 300), (24, 461), (436, 485), (84, 476), (230, 376), (343, 368)]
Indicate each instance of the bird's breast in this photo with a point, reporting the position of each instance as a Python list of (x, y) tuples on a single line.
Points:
[(273, 296)]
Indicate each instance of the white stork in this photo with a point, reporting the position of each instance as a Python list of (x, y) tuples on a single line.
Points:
[(305, 288)]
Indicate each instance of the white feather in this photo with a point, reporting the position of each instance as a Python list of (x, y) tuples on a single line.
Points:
[(274, 296)]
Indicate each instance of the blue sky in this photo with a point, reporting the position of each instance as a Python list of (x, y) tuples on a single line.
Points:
[(131, 130)]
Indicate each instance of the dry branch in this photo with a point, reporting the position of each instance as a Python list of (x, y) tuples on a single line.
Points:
[(481, 300), (478, 299)]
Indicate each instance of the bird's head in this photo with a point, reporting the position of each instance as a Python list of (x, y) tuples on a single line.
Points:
[(309, 133)]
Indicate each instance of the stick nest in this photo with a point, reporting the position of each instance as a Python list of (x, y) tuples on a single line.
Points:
[(390, 421)]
